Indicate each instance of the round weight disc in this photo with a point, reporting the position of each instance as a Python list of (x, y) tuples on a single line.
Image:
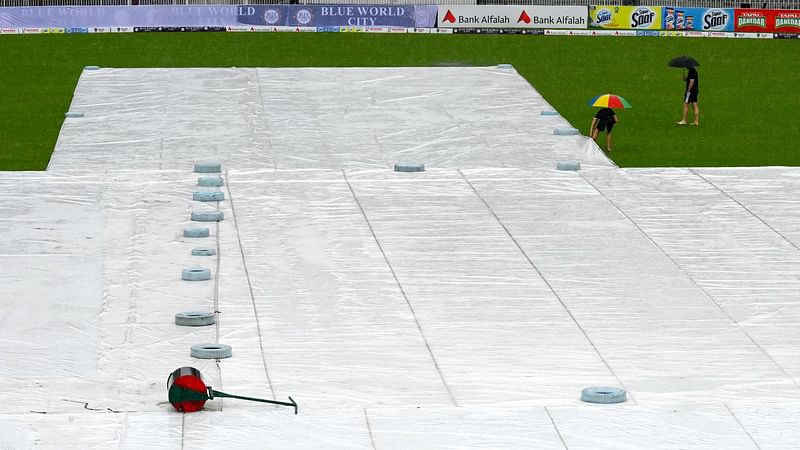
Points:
[(409, 167), (211, 351), (214, 216), (549, 113), (194, 319), (196, 274), (210, 181), (203, 251), (195, 232), (568, 165), (603, 395), (207, 167), (565, 131), (208, 196)]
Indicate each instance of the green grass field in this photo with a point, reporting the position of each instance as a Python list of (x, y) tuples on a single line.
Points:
[(749, 95)]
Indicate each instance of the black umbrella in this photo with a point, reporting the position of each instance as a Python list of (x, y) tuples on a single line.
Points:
[(683, 61)]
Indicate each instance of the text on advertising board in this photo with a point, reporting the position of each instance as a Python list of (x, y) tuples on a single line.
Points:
[(502, 16)]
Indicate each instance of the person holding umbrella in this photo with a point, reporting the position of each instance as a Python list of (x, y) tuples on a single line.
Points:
[(605, 118), (692, 87)]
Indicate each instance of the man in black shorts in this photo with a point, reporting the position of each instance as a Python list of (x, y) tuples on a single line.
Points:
[(604, 120), (690, 96)]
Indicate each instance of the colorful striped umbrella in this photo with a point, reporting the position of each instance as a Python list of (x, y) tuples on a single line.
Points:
[(609, 101)]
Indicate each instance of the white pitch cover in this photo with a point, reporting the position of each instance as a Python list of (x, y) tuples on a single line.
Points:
[(466, 306)]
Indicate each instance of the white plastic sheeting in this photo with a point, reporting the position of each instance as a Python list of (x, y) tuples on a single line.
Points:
[(461, 307)]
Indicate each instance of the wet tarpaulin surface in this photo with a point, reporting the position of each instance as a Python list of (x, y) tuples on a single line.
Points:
[(461, 307)]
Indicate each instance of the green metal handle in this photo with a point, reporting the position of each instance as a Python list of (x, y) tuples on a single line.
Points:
[(212, 393)]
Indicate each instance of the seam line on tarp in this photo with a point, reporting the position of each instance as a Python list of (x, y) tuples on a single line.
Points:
[(694, 282), (369, 428), (216, 282), (742, 425), (556, 428), (400, 286), (256, 115), (746, 209), (249, 284), (541, 275)]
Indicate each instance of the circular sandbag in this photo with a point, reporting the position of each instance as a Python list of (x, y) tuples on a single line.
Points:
[(603, 395), (210, 181), (91, 67), (568, 165), (212, 216), (505, 66), (207, 167), (203, 251), (73, 114), (548, 112), (196, 274), (409, 167), (565, 131), (195, 232), (194, 319), (211, 351), (208, 196)]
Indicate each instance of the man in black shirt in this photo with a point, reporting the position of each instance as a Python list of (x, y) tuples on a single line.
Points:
[(690, 96), (604, 120)]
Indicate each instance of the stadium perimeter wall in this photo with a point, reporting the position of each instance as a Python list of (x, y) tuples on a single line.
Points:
[(592, 20)]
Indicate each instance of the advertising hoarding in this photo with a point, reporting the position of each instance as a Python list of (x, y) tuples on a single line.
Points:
[(697, 19), (784, 21), (338, 15), (625, 17), (570, 17), (46, 17)]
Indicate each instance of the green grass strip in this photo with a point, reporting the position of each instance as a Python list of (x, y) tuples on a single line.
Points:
[(749, 96)]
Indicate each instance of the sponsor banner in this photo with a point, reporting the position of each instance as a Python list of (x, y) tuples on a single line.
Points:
[(671, 33), (218, 15), (767, 20), (30, 30), (613, 33), (571, 17), (786, 36), (418, 30), (648, 33), (76, 30), (697, 19), (118, 16), (327, 29), (532, 32), (175, 29), (241, 29), (9, 31), (100, 30), (405, 16), (53, 30), (625, 17)]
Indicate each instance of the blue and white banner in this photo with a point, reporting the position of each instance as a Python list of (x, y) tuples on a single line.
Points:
[(697, 19), (77, 18), (407, 16)]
